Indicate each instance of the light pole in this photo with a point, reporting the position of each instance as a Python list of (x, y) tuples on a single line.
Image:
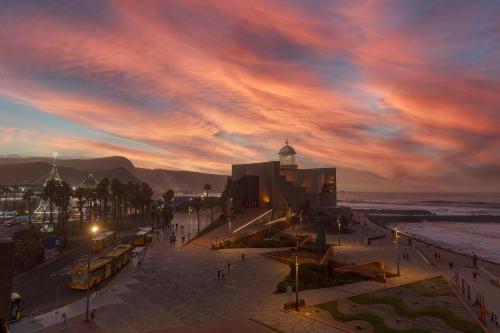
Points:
[(396, 236), (297, 273), (189, 219), (93, 231), (338, 224)]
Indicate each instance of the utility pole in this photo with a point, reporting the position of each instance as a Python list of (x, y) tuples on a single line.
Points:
[(93, 231), (396, 236), (338, 223), (189, 219), (297, 273)]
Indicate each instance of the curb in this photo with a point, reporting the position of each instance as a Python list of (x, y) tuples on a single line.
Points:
[(265, 325), (343, 329)]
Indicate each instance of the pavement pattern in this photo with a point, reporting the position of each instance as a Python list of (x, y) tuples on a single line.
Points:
[(176, 289)]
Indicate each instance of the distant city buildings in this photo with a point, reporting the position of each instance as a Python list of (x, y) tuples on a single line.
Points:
[(280, 185)]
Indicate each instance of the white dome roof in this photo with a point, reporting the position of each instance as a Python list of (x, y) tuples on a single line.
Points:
[(287, 150)]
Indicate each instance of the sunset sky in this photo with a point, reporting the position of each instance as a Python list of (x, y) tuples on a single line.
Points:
[(399, 95)]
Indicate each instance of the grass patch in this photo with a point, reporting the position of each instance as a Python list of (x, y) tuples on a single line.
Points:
[(419, 288), (313, 276), (376, 321), (404, 310)]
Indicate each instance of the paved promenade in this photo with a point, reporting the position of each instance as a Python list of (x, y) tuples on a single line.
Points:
[(176, 289)]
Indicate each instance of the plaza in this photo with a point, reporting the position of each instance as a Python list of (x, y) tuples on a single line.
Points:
[(176, 289)]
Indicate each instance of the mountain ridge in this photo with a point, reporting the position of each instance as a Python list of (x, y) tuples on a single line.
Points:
[(26, 170)]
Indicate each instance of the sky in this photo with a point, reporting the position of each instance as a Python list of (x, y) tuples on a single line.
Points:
[(398, 95)]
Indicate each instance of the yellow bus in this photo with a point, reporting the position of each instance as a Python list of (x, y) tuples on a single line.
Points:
[(120, 256), (103, 240), (143, 236), (101, 269)]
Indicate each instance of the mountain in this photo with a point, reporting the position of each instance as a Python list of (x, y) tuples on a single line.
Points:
[(187, 181), (88, 165), (31, 172), (24, 171)]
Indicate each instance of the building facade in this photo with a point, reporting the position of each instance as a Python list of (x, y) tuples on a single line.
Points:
[(280, 185)]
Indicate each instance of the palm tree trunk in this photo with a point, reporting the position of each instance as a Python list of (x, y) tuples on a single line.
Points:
[(198, 219)]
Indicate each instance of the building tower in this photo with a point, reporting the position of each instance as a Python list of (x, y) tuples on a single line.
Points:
[(287, 157)]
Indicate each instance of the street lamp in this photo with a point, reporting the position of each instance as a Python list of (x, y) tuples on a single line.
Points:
[(338, 224), (297, 273), (396, 241), (189, 218), (93, 231)]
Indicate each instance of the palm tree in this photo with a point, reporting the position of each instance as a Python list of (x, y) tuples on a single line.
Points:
[(102, 192), (79, 194), (90, 195), (206, 188), (62, 199), (28, 197), (167, 212), (1, 201), (197, 204), (116, 189), (145, 196)]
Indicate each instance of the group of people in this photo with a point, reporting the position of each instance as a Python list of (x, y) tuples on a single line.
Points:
[(175, 228), (483, 311), (220, 272)]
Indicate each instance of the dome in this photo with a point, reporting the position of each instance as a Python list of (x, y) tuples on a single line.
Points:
[(287, 150)]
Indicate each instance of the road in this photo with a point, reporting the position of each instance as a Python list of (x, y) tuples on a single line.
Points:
[(46, 286)]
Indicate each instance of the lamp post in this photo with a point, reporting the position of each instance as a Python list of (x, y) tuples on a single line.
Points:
[(189, 219), (93, 231), (297, 273), (338, 224), (396, 241)]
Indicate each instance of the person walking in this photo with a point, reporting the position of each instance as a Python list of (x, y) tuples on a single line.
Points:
[(3, 326), (243, 256), (218, 274), (63, 321), (228, 267), (92, 317)]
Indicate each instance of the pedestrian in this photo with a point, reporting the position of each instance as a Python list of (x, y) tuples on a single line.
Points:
[(222, 275), (243, 257), (218, 274), (63, 321), (474, 275), (439, 255), (183, 238), (228, 266), (3, 326), (92, 322), (435, 255)]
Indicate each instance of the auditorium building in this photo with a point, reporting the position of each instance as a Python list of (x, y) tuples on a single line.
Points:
[(280, 185)]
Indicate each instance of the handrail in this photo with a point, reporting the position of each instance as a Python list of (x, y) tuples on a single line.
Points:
[(252, 221)]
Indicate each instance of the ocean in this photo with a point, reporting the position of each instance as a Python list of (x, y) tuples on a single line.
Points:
[(437, 203), (469, 238)]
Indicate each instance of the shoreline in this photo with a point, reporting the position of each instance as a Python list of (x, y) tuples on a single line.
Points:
[(428, 245)]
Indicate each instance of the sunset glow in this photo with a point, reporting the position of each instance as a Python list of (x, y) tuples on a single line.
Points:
[(396, 95)]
